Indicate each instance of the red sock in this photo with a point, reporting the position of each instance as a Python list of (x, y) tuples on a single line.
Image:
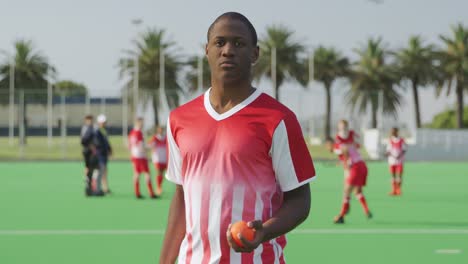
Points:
[(394, 185), (150, 187), (363, 202), (398, 186), (137, 187), (159, 180), (345, 207)]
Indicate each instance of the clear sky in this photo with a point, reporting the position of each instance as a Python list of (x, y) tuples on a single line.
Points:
[(85, 38)]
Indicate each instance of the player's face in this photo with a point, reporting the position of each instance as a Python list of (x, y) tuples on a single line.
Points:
[(230, 51), (139, 124), (342, 127), (159, 131), (88, 122)]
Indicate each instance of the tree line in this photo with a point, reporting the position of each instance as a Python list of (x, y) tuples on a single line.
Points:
[(376, 78)]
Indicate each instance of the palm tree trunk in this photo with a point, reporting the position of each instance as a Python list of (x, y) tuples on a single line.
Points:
[(374, 109), (460, 104), (374, 118), (327, 111), (416, 103), (277, 97), (156, 109), (24, 121)]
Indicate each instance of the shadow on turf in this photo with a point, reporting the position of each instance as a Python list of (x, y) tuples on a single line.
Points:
[(425, 223), (125, 196)]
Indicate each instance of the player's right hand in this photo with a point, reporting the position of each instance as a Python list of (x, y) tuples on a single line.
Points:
[(249, 246)]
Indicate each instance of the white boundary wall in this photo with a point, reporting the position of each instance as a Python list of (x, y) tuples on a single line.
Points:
[(439, 145), (426, 145)]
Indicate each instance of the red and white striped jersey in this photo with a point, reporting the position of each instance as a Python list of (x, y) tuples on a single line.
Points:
[(158, 144), (348, 139), (234, 166), (136, 144), (353, 153), (395, 148)]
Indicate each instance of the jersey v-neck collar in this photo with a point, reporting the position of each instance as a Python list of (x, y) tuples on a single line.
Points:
[(218, 117)]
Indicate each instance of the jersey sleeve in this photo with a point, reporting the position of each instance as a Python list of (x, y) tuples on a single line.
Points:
[(389, 145), (132, 139), (404, 146), (174, 165), (291, 159)]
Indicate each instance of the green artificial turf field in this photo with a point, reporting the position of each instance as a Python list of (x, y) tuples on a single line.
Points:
[(45, 218), (69, 148)]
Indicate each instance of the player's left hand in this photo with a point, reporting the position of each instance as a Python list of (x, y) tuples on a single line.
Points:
[(249, 246)]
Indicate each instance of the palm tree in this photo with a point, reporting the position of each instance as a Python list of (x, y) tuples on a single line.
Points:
[(454, 65), (373, 77), (192, 77), (288, 62), (148, 48), (31, 70), (415, 64), (329, 64)]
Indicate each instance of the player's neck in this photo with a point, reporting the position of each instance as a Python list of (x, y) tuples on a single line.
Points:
[(223, 97), (344, 133)]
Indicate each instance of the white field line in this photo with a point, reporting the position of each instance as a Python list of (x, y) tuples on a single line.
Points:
[(295, 232), (448, 251)]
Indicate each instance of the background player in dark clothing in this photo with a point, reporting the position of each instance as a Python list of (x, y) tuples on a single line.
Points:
[(89, 151), (103, 151)]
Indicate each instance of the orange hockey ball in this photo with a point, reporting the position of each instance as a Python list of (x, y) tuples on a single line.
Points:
[(242, 228)]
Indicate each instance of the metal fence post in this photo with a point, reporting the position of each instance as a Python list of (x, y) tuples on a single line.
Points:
[(87, 104), (49, 114), (21, 117), (103, 105), (125, 116), (63, 126), (11, 131)]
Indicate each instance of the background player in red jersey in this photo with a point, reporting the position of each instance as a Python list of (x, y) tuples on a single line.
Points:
[(158, 145), (346, 135), (355, 168), (396, 149), (138, 156)]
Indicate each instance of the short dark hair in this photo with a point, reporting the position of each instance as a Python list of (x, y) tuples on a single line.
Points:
[(235, 16), (345, 122), (88, 117)]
